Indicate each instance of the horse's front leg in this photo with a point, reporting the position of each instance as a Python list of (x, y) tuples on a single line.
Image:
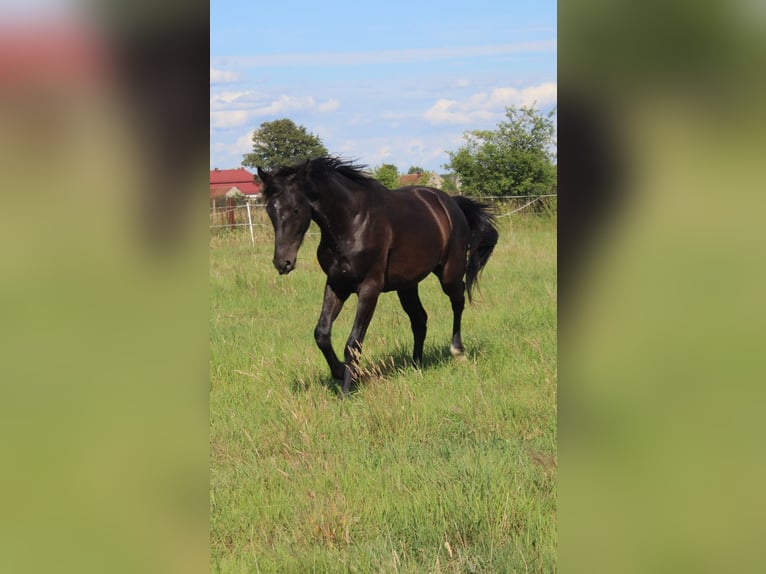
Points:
[(368, 299), (331, 306)]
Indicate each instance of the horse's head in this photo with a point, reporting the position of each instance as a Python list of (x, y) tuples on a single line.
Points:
[(289, 211)]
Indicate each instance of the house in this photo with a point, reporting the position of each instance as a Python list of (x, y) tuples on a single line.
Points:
[(223, 180), (409, 179), (433, 179)]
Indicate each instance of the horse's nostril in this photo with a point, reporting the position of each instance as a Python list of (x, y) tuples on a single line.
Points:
[(284, 266)]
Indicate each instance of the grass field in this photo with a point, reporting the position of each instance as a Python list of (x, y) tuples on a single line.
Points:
[(450, 468)]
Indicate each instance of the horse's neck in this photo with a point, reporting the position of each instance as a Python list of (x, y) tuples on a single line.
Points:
[(334, 213)]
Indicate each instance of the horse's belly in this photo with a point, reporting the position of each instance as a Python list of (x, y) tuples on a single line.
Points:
[(408, 269), (396, 283)]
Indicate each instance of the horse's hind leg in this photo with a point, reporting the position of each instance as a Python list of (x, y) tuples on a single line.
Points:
[(451, 279), (418, 319), (456, 293)]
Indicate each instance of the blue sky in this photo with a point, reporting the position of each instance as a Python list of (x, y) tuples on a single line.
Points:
[(379, 82)]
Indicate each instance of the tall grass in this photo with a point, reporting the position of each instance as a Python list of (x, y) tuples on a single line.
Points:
[(449, 468)]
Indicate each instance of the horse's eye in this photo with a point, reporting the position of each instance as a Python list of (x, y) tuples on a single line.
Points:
[(295, 211)]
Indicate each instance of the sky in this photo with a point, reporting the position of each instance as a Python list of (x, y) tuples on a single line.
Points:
[(395, 82)]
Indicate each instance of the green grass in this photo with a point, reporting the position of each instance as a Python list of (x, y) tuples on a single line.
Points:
[(450, 468)]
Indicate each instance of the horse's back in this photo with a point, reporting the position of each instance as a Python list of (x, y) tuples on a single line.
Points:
[(427, 228), (420, 211)]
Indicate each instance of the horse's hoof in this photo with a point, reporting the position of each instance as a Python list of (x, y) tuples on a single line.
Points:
[(457, 352)]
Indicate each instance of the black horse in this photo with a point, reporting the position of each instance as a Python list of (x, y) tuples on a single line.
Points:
[(373, 240)]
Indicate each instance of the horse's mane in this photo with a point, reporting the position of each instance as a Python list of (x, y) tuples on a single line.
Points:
[(326, 165), (347, 168)]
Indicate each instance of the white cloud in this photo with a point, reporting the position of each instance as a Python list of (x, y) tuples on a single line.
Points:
[(485, 106), (285, 104), (223, 76), (543, 94), (385, 151), (229, 119), (452, 112), (221, 100), (329, 106), (243, 145), (229, 154), (236, 108)]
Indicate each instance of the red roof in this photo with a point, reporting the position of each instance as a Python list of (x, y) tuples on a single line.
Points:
[(409, 179), (222, 180)]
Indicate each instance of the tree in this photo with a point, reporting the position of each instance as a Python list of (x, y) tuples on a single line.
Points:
[(515, 159), (280, 143), (449, 183), (387, 174)]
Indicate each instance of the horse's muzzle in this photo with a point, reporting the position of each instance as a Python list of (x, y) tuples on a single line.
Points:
[(285, 266)]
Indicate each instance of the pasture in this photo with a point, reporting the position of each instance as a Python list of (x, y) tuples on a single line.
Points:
[(447, 468)]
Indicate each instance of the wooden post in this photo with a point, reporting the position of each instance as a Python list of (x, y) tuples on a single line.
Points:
[(250, 221), (230, 209)]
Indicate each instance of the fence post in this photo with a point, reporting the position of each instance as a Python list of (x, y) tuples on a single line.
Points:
[(250, 221), (230, 209)]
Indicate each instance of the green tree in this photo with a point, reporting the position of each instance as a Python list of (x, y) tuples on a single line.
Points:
[(387, 174), (449, 183), (280, 143), (515, 159)]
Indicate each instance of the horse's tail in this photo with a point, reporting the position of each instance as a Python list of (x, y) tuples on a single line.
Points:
[(481, 221)]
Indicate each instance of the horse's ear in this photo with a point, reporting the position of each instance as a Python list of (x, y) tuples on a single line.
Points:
[(264, 176)]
